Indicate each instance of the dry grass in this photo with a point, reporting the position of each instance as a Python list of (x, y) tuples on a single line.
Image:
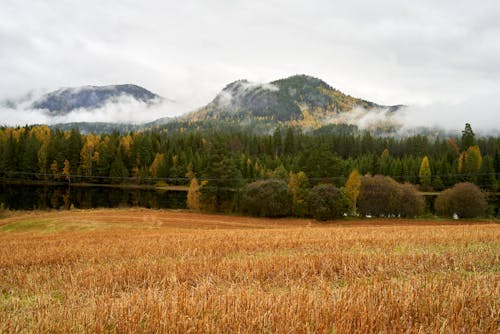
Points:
[(163, 271)]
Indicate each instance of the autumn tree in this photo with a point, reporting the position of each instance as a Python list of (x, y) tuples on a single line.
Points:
[(464, 199), (298, 187), (89, 154), (383, 196), (470, 162), (66, 171), (352, 187), (424, 173), (157, 164), (193, 196)]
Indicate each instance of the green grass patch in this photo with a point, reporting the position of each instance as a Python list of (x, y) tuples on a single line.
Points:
[(48, 226)]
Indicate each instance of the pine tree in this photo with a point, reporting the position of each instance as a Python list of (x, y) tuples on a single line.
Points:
[(487, 179), (467, 137)]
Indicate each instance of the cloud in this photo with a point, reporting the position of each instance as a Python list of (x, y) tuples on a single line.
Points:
[(389, 51), (125, 109), (481, 111), (236, 90)]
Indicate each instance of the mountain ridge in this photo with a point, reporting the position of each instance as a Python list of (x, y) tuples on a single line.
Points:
[(65, 100), (300, 100)]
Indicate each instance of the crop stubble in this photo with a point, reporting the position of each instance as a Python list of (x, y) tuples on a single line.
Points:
[(179, 272)]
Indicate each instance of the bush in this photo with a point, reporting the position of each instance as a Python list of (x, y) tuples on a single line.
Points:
[(265, 198), (325, 201), (464, 199), (383, 196), (411, 203)]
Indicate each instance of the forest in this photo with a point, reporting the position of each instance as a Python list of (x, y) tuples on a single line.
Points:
[(223, 160)]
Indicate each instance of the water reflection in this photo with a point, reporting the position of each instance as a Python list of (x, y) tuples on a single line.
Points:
[(27, 197)]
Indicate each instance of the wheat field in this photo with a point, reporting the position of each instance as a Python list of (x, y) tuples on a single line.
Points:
[(150, 271)]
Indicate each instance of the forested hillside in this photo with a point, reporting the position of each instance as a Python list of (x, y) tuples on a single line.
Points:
[(299, 100)]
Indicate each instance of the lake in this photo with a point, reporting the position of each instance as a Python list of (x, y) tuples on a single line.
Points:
[(29, 197)]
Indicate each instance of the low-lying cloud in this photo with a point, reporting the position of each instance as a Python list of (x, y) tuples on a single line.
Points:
[(124, 109), (480, 111), (237, 90)]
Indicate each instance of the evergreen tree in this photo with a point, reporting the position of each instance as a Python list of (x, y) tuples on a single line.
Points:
[(223, 178), (118, 171), (467, 137), (487, 178)]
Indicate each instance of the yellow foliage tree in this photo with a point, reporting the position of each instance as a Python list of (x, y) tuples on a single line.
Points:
[(193, 196), (352, 188), (470, 162), (424, 173), (298, 185), (126, 143), (89, 154), (157, 164), (66, 170)]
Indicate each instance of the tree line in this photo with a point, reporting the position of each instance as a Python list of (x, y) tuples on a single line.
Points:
[(225, 159)]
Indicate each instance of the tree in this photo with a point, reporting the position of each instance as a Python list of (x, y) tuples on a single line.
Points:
[(467, 137), (118, 171), (54, 169), (465, 200), (352, 187), (193, 196), (382, 196), (298, 187), (487, 179), (67, 170), (411, 203), (424, 173), (265, 198), (325, 202), (470, 162), (496, 162), (89, 154), (157, 164), (224, 178)]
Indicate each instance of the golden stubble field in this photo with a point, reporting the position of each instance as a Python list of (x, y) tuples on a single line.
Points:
[(156, 271)]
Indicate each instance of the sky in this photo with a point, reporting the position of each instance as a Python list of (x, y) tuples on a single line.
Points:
[(439, 57)]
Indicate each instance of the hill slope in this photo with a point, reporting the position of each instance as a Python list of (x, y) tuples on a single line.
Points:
[(298, 100), (65, 100)]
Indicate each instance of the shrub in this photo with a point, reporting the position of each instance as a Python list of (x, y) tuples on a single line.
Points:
[(325, 201), (265, 198), (464, 199), (411, 203), (383, 196)]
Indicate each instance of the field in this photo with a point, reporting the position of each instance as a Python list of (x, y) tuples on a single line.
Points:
[(135, 270)]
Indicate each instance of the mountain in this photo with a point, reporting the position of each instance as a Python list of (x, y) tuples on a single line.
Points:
[(298, 100), (65, 100)]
